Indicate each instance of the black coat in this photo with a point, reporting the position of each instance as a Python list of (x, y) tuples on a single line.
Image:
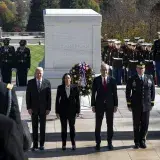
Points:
[(10, 143), (67, 106), (99, 95), (140, 94), (14, 114), (38, 101)]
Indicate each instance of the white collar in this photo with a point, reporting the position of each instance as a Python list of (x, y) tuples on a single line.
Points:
[(38, 80)]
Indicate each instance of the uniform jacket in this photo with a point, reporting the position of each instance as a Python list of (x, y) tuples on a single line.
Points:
[(140, 94), (23, 58)]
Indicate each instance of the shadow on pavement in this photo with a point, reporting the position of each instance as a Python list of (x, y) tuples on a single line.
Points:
[(57, 152), (89, 136)]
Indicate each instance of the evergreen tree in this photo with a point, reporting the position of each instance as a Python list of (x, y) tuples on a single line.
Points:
[(35, 21)]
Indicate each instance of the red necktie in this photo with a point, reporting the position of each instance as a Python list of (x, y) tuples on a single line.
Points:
[(104, 84)]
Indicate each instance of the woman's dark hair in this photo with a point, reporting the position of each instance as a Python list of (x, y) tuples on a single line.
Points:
[(63, 78)]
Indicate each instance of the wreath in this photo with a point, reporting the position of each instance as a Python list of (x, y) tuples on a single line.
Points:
[(82, 75)]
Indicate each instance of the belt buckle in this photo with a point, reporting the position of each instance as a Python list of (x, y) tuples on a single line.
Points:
[(104, 101)]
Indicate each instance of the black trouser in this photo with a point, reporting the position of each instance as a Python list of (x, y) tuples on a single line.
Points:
[(6, 72), (21, 77), (109, 120), (140, 125), (71, 120), (35, 119)]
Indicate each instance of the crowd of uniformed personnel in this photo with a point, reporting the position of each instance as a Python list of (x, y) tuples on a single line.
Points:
[(123, 58), (18, 59)]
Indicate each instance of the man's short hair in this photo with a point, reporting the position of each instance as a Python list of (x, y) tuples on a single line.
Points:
[(39, 69), (103, 64)]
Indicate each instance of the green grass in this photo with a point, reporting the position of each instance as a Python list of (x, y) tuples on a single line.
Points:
[(37, 54)]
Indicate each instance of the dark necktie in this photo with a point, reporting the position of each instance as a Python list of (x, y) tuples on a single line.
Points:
[(104, 84), (39, 85)]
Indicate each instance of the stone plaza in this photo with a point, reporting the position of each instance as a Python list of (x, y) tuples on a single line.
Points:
[(122, 141)]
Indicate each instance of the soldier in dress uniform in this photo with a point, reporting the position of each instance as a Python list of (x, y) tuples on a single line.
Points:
[(156, 50), (117, 62), (22, 63), (7, 56), (106, 52), (140, 94), (149, 60), (132, 60), (125, 49)]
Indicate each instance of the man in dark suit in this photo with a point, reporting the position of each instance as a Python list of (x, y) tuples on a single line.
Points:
[(14, 113), (140, 94), (38, 99), (11, 147), (104, 100)]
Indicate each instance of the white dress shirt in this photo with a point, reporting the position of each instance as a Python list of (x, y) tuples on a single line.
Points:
[(38, 82), (103, 79), (67, 88), (141, 76)]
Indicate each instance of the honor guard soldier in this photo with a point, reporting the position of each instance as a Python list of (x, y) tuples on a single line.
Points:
[(149, 61), (22, 63), (7, 60), (156, 50), (140, 94), (125, 49), (117, 62), (132, 60)]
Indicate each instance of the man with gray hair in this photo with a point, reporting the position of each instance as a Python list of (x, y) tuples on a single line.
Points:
[(104, 100), (38, 99)]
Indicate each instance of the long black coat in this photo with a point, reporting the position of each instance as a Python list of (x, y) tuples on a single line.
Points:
[(99, 95), (62, 106), (14, 114), (140, 94), (38, 101), (10, 143)]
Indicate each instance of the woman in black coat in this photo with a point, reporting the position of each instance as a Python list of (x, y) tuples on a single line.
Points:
[(67, 108)]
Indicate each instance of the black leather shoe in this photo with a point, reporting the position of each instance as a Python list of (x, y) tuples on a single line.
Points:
[(41, 148), (74, 147), (136, 146), (97, 148), (143, 145), (34, 149), (63, 148), (110, 146)]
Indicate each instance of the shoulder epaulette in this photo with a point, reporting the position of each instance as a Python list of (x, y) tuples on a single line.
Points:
[(9, 86)]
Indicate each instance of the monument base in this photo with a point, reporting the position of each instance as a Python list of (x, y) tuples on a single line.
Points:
[(55, 76)]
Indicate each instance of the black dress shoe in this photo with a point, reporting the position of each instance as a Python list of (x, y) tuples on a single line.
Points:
[(143, 145), (74, 147), (34, 149), (63, 148), (110, 146), (136, 146), (41, 148), (97, 148)]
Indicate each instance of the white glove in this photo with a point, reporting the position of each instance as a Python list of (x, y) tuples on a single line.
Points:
[(154, 63)]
